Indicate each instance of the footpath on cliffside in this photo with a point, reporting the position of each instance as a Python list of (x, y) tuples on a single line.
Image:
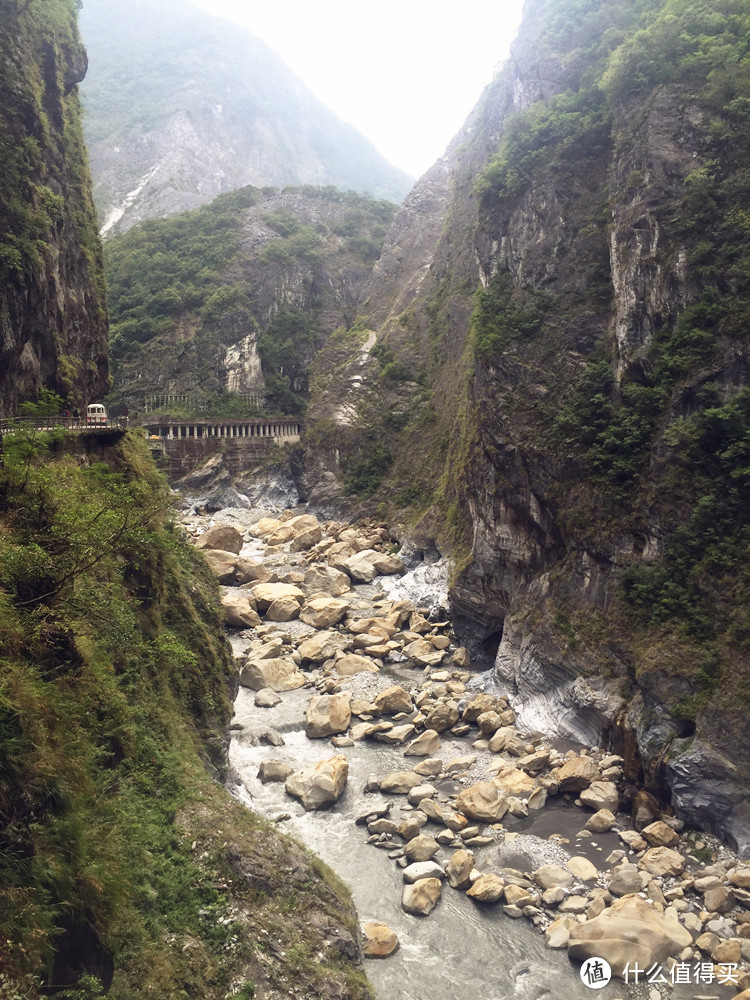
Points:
[(360, 721)]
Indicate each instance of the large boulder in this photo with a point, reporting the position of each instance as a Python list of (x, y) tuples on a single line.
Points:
[(251, 571), (425, 745), (380, 940), (305, 539), (326, 580), (423, 653), (442, 716), (626, 879), (422, 869), (322, 646), (662, 861), (629, 931), (422, 896), (385, 564), (601, 821), (483, 801), (320, 785), (393, 700), (359, 567), (478, 705), (223, 564), (353, 663), (487, 888), (266, 593), (221, 536), (553, 876), (660, 834), (280, 673), (421, 848), (274, 770), (459, 869), (514, 781), (324, 611), (577, 774), (400, 782), (508, 740), (328, 714), (238, 609), (601, 795), (283, 609)]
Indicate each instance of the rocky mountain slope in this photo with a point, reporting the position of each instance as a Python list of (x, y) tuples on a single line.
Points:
[(182, 106), (548, 380), (234, 299), (53, 327)]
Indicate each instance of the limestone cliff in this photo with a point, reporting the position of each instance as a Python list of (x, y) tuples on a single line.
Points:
[(550, 384), (53, 323), (182, 106)]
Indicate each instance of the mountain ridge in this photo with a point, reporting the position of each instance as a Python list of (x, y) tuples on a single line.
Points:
[(182, 106)]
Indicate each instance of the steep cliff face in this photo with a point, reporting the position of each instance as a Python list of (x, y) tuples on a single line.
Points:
[(556, 373), (53, 324), (237, 297), (182, 107), (126, 868)]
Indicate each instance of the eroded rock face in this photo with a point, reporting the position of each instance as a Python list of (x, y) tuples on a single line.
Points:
[(53, 323), (545, 548)]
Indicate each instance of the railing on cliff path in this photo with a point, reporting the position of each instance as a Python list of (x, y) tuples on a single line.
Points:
[(167, 429), (12, 425)]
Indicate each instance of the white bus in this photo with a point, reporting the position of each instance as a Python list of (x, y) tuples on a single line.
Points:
[(96, 415)]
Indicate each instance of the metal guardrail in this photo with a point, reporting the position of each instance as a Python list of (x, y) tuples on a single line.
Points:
[(14, 424)]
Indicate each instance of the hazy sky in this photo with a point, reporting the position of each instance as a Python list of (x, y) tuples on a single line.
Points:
[(406, 73)]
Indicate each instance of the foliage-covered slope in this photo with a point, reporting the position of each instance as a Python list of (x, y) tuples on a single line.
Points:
[(123, 866), (53, 330), (586, 302), (182, 106), (236, 297)]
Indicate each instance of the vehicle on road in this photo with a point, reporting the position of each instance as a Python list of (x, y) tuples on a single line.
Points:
[(96, 415)]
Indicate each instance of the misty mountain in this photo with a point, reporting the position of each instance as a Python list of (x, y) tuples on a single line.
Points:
[(182, 106)]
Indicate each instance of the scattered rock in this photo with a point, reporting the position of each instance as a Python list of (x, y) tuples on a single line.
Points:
[(320, 785), (422, 896), (629, 931), (278, 673), (487, 888), (327, 715), (223, 537), (483, 801), (380, 941)]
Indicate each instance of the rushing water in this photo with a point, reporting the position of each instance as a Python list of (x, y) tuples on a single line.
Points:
[(462, 951)]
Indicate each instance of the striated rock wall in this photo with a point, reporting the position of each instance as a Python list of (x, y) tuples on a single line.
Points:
[(551, 365), (53, 321)]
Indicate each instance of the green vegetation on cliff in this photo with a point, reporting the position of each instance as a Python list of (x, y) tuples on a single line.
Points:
[(123, 865), (52, 299), (270, 271)]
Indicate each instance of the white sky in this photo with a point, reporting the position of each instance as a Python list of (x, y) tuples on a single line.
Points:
[(406, 73)]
